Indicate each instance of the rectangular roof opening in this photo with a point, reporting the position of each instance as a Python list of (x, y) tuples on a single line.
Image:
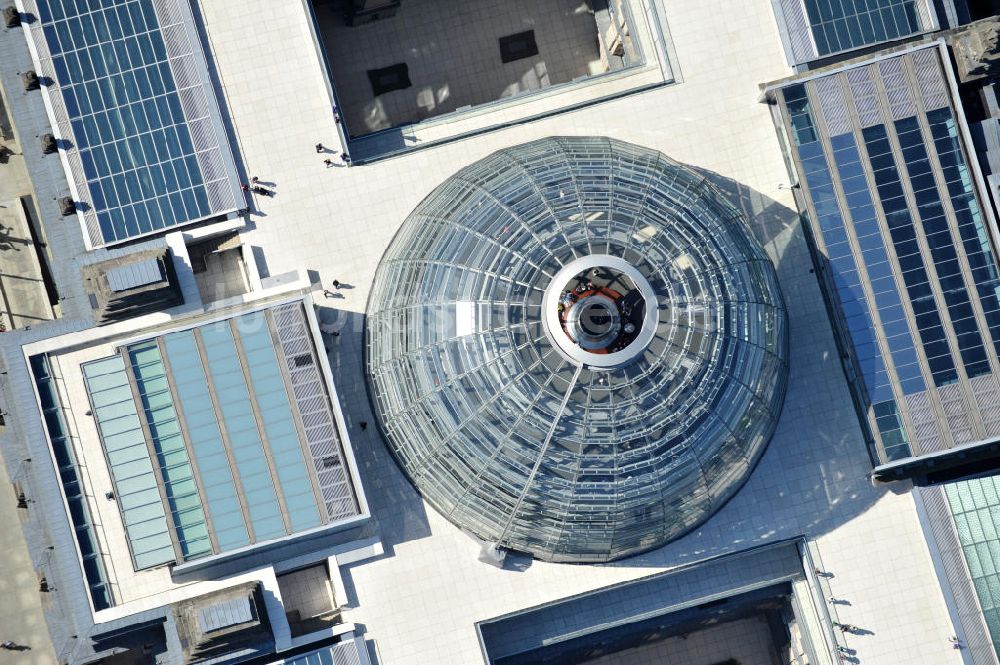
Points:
[(409, 73)]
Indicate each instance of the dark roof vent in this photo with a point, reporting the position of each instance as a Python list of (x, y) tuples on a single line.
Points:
[(66, 206), (49, 144), (30, 80), (11, 17)]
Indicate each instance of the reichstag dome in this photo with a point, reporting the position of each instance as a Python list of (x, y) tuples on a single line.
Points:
[(576, 349)]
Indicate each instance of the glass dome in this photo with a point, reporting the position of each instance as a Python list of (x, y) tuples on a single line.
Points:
[(576, 349)]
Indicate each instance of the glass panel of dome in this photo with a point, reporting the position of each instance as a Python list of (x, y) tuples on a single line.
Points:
[(600, 411)]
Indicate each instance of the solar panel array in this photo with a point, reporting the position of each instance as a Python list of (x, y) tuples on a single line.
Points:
[(813, 29), (131, 93), (924, 320)]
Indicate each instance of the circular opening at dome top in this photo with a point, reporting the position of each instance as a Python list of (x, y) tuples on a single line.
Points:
[(600, 311)]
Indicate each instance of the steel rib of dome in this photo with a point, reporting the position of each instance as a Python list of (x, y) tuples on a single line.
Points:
[(514, 442)]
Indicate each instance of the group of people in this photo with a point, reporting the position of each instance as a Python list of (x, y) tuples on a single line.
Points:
[(255, 187), (566, 300), (344, 157), (569, 297)]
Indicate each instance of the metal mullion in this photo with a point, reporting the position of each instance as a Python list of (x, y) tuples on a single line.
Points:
[(195, 473), (542, 449)]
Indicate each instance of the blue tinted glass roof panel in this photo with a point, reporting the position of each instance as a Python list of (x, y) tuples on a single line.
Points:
[(265, 468), (244, 439), (276, 416), (132, 104), (220, 436), (180, 489), (205, 438), (128, 457), (322, 438)]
